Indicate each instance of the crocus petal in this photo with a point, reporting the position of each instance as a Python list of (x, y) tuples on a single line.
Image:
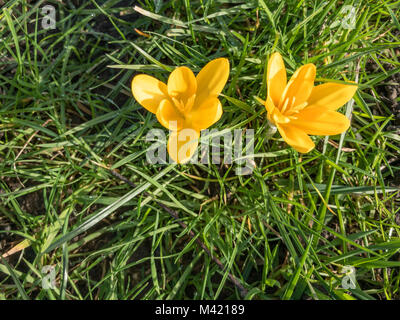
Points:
[(182, 83), (183, 144), (276, 78), (270, 107), (211, 79), (296, 138), (299, 86), (148, 91), (320, 121), (209, 112), (168, 116), (331, 95)]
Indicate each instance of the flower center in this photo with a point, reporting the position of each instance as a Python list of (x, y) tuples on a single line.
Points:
[(277, 117), (285, 113), (296, 109), (182, 105)]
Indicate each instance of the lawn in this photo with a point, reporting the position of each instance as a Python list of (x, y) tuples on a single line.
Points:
[(85, 215)]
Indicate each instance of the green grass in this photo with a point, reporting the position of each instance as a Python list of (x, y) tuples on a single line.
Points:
[(67, 114)]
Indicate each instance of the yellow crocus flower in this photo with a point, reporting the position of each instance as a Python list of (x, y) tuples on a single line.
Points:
[(298, 108), (185, 105)]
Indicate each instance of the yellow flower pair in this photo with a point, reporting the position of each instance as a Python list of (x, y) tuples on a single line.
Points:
[(188, 104)]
